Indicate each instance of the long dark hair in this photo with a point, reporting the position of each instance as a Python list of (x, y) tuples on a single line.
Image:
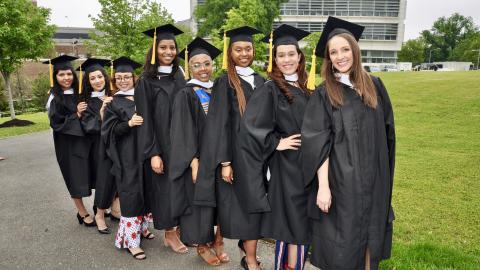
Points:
[(277, 76), (87, 87), (234, 80), (358, 76), (150, 70), (57, 89)]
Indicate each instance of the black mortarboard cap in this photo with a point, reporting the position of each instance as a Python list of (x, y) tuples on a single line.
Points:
[(166, 31), (333, 27), (200, 46), (286, 35), (243, 33), (62, 62), (93, 64), (125, 64)]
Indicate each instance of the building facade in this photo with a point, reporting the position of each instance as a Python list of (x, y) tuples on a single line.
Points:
[(383, 21)]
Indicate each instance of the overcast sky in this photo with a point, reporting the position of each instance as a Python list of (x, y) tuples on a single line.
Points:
[(420, 13)]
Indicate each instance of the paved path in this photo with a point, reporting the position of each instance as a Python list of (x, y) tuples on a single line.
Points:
[(39, 230)]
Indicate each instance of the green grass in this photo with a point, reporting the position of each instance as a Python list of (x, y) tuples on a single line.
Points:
[(437, 174), (40, 119)]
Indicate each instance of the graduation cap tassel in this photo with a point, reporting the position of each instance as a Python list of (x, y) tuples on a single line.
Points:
[(154, 47), (111, 75), (225, 49), (270, 52), (50, 70), (187, 74), (311, 75), (80, 83)]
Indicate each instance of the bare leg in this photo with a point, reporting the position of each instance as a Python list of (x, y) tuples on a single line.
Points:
[(251, 253), (218, 247), (115, 209), (81, 209), (292, 255), (367, 259), (100, 219), (172, 240)]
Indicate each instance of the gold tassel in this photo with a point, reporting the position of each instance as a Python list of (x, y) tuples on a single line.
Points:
[(311, 75), (111, 75), (225, 49), (154, 47), (270, 52), (50, 70), (81, 79), (187, 74)]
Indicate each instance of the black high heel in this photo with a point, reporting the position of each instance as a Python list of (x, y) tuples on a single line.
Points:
[(244, 264), (114, 218), (81, 220)]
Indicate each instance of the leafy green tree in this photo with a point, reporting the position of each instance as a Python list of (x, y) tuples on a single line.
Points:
[(412, 51), (120, 24), (213, 13), (467, 49), (24, 34), (446, 34), (40, 87), (312, 41)]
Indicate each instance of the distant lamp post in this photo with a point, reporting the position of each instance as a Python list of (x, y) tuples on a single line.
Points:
[(478, 57), (74, 42)]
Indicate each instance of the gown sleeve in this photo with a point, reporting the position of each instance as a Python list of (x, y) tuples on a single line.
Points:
[(317, 135), (91, 121), (216, 143), (184, 147), (63, 120), (108, 132), (146, 135), (258, 142)]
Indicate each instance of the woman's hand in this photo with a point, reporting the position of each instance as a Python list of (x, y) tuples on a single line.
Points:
[(135, 121), (194, 167), (104, 105), (324, 198), (81, 107), (227, 173), (157, 164), (290, 143)]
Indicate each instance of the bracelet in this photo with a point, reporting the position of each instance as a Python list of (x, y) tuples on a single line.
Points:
[(226, 164)]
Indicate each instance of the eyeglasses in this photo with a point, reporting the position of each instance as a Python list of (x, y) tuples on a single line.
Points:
[(125, 78), (198, 66)]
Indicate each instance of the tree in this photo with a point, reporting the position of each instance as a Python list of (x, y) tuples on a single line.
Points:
[(446, 33), (213, 13), (466, 50), (24, 34), (412, 51), (120, 24), (39, 90), (312, 41)]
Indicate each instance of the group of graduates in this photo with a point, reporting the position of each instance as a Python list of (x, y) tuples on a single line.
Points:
[(252, 158)]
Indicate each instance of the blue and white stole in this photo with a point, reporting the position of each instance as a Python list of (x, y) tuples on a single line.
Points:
[(201, 92)]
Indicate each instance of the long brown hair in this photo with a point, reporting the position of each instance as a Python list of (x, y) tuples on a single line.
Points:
[(277, 76), (234, 80), (358, 76)]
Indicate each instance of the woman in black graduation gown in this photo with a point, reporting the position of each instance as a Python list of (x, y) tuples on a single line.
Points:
[(272, 122), (96, 93), (120, 133), (71, 146), (219, 169), (348, 138), (189, 113), (160, 82)]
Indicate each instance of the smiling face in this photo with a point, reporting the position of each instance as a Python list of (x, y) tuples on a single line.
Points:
[(65, 79), (340, 53), (287, 59), (124, 81), (201, 67), (97, 80), (166, 52), (242, 53)]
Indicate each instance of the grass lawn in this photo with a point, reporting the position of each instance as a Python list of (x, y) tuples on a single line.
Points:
[(437, 174), (40, 119)]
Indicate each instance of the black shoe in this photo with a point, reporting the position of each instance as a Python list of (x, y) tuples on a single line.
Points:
[(113, 218), (81, 220), (104, 231), (244, 264)]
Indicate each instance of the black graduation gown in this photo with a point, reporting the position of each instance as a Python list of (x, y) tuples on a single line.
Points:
[(188, 120), (99, 162), (154, 98), (72, 148), (360, 144), (220, 144), (121, 145), (268, 118)]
